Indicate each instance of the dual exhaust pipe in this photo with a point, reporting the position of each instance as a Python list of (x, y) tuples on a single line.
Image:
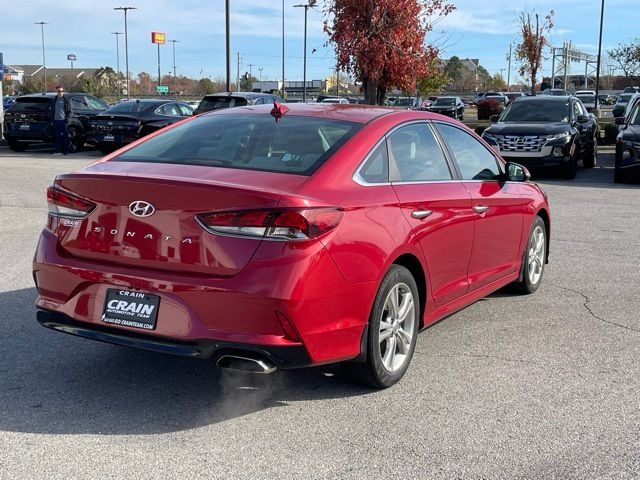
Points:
[(246, 364)]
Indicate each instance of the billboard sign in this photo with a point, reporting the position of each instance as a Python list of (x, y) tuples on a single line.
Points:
[(158, 38)]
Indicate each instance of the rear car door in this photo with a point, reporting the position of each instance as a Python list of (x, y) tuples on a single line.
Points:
[(436, 205), (498, 207)]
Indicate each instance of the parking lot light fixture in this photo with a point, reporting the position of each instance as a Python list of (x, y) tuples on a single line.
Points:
[(126, 44), (306, 6), (117, 34), (44, 60), (175, 78)]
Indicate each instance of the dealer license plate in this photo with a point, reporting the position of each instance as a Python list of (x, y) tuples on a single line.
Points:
[(25, 126), (108, 138), (131, 309)]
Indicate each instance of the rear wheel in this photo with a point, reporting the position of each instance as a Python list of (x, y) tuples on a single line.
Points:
[(393, 331), (534, 258), (17, 146)]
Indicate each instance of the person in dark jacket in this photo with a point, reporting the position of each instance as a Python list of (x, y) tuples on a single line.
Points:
[(61, 116)]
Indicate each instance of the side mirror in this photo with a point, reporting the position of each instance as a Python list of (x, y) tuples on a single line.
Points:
[(618, 120), (583, 118), (494, 118), (517, 173)]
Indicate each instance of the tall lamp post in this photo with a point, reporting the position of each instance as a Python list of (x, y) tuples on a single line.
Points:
[(283, 90), (175, 79), (117, 34), (599, 55), (228, 44), (306, 6), (126, 43), (44, 60)]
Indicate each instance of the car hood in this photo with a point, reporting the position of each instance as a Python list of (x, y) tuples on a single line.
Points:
[(632, 133), (504, 128)]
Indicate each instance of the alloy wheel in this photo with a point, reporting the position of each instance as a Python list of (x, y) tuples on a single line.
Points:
[(396, 327), (536, 254)]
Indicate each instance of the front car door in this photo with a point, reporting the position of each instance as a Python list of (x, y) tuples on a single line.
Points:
[(498, 207), (436, 205)]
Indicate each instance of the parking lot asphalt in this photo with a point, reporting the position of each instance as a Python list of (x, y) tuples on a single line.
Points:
[(539, 386)]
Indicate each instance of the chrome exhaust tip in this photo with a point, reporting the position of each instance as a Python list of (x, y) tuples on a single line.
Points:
[(246, 364)]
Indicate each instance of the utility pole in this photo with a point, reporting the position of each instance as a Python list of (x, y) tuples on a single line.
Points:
[(238, 74), (228, 44), (306, 6), (250, 74), (44, 60), (283, 89), (599, 56), (509, 71), (126, 44), (117, 34), (175, 78)]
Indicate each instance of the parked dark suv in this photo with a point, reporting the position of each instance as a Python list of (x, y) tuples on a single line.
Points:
[(29, 120), (546, 131), (217, 101)]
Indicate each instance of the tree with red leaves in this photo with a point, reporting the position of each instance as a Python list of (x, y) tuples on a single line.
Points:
[(382, 42), (533, 32)]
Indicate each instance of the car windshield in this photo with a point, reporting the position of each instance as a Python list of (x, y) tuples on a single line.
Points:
[(131, 106), (31, 104), (537, 111), (446, 101), (587, 97), (294, 144), (403, 102), (218, 103), (624, 98)]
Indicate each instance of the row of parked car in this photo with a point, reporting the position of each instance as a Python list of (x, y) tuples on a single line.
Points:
[(28, 119)]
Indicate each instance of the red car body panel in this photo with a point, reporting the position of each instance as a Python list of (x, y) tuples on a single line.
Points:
[(240, 289)]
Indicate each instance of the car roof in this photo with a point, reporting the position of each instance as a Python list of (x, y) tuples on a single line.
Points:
[(338, 111), (238, 94), (547, 98)]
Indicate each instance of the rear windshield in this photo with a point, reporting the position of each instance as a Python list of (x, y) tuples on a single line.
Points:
[(26, 104), (445, 101), (217, 103), (625, 97), (129, 107), (298, 145), (587, 97)]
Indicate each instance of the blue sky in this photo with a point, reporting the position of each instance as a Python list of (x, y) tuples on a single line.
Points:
[(476, 29)]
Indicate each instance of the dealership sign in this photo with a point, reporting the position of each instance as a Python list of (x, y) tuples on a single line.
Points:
[(158, 38)]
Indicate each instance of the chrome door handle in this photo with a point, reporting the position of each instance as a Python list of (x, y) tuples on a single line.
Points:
[(421, 213), (480, 208)]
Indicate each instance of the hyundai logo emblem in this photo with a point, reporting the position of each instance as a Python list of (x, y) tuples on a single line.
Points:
[(140, 208)]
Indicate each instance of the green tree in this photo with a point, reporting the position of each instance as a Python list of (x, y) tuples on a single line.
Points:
[(31, 85), (432, 83), (246, 82), (454, 69)]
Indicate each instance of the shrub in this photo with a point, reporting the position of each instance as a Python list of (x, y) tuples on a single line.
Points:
[(487, 108), (610, 133)]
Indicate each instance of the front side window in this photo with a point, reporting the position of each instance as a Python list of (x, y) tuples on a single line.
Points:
[(294, 144), (416, 156), (476, 162)]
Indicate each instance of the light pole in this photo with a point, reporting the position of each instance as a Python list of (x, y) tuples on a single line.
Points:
[(175, 78), (283, 90), (599, 55), (306, 6), (228, 44), (117, 34), (126, 43), (250, 65), (44, 60), (260, 70)]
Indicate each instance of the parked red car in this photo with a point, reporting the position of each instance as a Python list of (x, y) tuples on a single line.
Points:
[(289, 236)]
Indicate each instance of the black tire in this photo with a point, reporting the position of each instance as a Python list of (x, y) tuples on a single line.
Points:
[(570, 169), (76, 139), (105, 149), (17, 146), (526, 285), (591, 154), (373, 372)]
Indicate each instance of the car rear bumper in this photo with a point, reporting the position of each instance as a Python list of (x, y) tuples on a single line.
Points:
[(284, 357), (281, 286)]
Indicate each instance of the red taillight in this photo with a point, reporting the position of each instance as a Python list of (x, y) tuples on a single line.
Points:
[(66, 204), (273, 224)]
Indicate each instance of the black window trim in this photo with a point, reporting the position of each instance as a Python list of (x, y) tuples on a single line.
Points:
[(499, 161)]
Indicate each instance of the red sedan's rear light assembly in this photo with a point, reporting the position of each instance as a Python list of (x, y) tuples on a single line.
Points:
[(283, 225), (65, 204)]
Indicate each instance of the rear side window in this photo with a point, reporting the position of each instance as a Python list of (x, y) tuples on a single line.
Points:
[(376, 168), (298, 145), (30, 104), (128, 107), (217, 103), (475, 161)]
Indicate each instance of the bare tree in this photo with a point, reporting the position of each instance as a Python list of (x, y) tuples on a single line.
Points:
[(627, 56), (533, 31)]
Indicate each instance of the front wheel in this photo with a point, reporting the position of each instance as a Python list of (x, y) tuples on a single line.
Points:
[(76, 140), (570, 169), (393, 331), (534, 259)]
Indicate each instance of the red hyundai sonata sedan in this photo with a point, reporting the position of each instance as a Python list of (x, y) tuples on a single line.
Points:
[(291, 236)]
